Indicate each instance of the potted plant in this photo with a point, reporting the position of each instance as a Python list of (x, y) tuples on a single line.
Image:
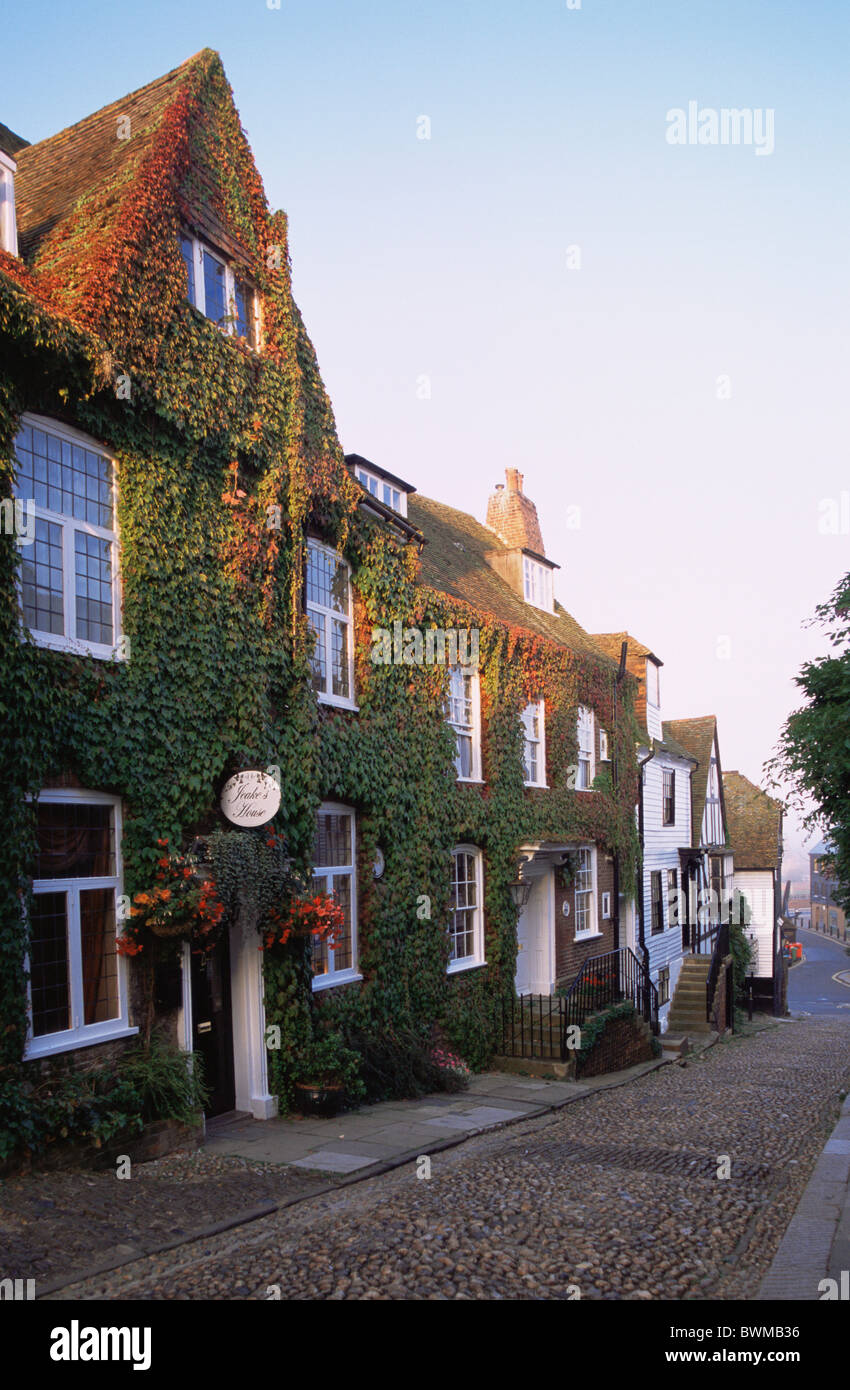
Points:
[(329, 1075)]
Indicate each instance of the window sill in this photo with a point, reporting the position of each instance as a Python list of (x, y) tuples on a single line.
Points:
[(588, 935), (472, 781), (338, 702), (457, 967), (342, 977), (52, 1043), (536, 786), (76, 647)]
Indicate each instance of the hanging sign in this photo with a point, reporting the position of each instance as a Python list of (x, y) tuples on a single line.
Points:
[(250, 798)]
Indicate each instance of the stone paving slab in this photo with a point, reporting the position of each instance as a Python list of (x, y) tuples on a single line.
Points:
[(393, 1128), (816, 1244), (326, 1161)]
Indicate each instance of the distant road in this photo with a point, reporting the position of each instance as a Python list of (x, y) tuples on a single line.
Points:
[(811, 988)]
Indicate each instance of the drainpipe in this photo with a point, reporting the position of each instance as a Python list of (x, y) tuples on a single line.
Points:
[(641, 922)]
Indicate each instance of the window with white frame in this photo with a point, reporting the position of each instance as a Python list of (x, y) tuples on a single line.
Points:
[(464, 716), (64, 488), (384, 491), (668, 816), (8, 222), (534, 744), (466, 919), (219, 291), (652, 691), (604, 756), (537, 584), (586, 768), (606, 906), (329, 612), (77, 990), (334, 873), (585, 891)]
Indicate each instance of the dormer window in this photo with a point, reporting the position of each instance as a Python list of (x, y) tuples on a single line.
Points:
[(384, 491), (537, 584), (219, 292), (8, 224)]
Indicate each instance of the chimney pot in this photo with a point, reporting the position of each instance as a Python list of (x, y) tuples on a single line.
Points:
[(514, 478)]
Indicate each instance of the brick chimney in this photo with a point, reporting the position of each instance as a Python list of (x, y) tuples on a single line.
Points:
[(513, 516)]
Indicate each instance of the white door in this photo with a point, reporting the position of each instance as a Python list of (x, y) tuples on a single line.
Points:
[(534, 940), (627, 923)]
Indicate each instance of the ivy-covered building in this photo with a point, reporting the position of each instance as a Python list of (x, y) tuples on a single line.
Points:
[(197, 582)]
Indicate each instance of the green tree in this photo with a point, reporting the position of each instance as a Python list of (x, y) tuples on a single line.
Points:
[(813, 753)]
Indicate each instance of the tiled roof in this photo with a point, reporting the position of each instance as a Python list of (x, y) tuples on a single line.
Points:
[(453, 563), (612, 642), (54, 174), (754, 823), (697, 737), (672, 745)]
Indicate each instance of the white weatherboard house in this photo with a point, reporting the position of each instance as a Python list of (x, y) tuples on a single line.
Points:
[(754, 820), (664, 821), (709, 868)]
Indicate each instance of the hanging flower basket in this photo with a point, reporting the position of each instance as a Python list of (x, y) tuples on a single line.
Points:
[(181, 904), (319, 917)]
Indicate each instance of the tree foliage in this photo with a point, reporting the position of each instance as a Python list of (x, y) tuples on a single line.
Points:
[(813, 753)]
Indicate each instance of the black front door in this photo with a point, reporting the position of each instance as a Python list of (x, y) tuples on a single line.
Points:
[(212, 1026)]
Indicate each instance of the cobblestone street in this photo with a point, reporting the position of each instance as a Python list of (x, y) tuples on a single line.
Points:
[(617, 1195)]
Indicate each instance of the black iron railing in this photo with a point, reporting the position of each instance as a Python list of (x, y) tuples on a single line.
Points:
[(614, 978), (701, 937), (718, 956), (532, 1026), (538, 1025)]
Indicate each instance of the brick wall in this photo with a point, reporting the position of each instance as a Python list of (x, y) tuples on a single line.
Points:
[(83, 1059), (155, 1140), (624, 1043), (570, 954)]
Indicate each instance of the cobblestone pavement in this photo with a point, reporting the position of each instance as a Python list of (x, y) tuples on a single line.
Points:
[(618, 1195), (54, 1224)]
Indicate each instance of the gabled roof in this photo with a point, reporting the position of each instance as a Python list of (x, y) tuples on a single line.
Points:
[(753, 823), (98, 203), (453, 562), (54, 174), (697, 737), (671, 745)]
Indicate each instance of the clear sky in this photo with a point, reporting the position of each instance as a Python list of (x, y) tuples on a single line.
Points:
[(702, 501)]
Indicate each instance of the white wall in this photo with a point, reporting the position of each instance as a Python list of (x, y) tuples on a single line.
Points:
[(661, 852), (758, 888)]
